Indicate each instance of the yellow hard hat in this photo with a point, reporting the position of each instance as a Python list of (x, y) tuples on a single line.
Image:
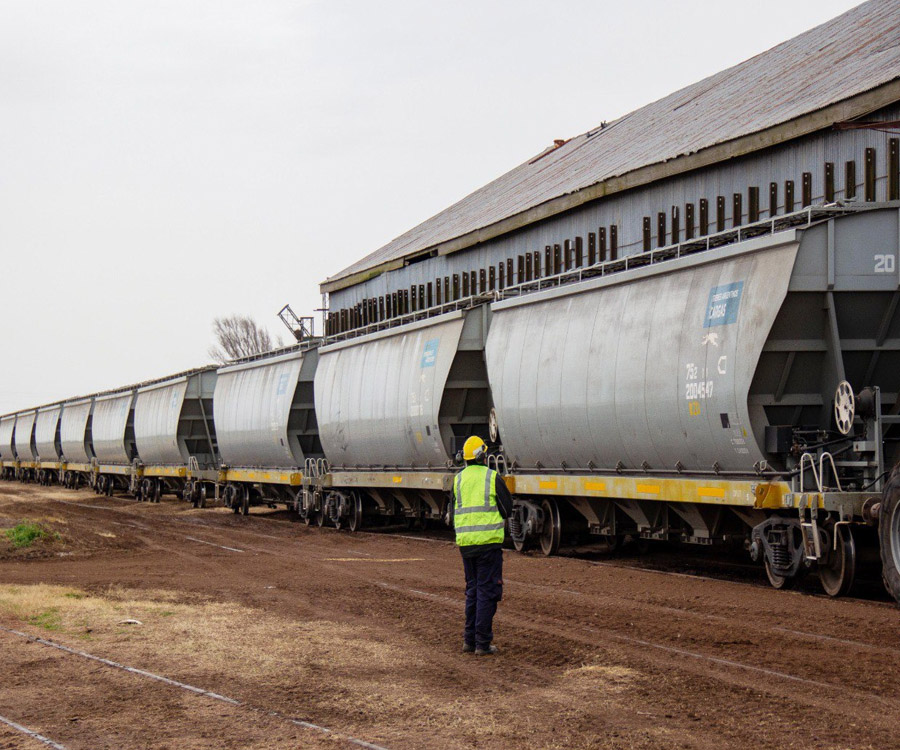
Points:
[(474, 448)]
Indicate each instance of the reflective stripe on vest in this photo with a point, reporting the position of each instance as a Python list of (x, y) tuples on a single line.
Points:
[(476, 517)]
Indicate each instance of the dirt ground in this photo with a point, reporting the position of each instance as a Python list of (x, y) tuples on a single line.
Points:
[(259, 632)]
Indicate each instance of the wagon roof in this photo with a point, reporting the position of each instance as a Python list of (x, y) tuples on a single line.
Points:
[(845, 68)]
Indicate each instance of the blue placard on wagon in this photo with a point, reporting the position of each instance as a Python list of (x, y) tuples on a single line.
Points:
[(723, 305), (429, 354), (282, 384)]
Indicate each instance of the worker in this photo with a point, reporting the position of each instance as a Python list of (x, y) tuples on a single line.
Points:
[(481, 503)]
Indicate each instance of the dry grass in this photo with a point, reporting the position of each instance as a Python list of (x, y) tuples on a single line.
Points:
[(210, 636), (602, 672), (50, 519), (203, 630), (348, 667)]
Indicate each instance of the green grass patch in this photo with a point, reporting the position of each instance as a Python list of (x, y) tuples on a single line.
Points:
[(48, 619), (27, 533)]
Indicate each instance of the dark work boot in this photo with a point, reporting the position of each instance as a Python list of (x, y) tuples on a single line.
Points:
[(486, 650), (468, 648)]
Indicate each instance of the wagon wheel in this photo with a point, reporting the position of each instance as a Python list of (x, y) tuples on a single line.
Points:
[(611, 541), (245, 501), (777, 581), (356, 512), (838, 569), (201, 502), (552, 529), (338, 507)]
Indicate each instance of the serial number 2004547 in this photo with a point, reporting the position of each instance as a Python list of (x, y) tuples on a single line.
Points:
[(698, 389)]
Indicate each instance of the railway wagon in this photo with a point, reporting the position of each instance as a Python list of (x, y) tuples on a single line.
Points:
[(394, 407), (48, 449), (112, 441), (76, 442), (740, 396), (175, 437), (23, 439), (264, 412)]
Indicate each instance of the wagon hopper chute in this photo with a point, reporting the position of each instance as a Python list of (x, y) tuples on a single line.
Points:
[(394, 407)]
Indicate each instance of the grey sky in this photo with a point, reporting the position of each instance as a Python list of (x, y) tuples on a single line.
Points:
[(162, 163)]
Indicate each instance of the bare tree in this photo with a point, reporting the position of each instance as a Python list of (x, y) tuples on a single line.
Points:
[(239, 336)]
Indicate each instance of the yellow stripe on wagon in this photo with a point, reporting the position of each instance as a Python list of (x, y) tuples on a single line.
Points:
[(293, 478), (165, 471), (749, 492)]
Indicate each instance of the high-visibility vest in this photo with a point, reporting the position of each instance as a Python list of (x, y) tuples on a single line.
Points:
[(475, 515)]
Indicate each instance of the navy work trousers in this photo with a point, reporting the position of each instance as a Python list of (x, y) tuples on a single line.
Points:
[(484, 588)]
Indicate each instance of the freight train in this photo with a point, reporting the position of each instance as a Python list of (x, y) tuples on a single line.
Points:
[(738, 399)]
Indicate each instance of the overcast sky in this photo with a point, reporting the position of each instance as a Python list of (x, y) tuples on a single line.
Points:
[(162, 163)]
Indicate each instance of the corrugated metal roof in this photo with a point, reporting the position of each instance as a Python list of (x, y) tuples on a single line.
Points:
[(849, 55)]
